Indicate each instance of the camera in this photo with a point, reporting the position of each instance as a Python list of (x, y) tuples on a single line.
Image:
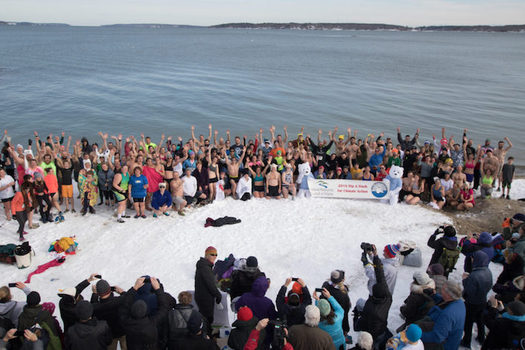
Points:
[(146, 279), (319, 290), (294, 279), (367, 247), (278, 333)]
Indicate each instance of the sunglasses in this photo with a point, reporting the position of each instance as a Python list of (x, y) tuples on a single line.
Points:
[(212, 254)]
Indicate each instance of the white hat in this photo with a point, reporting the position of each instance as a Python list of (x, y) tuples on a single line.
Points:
[(67, 291)]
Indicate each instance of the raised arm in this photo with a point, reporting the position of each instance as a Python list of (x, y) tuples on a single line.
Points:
[(285, 140), (510, 144)]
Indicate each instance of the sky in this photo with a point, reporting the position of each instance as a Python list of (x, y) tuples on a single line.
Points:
[(209, 12)]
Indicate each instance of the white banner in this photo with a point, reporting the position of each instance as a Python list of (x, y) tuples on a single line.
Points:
[(348, 189)]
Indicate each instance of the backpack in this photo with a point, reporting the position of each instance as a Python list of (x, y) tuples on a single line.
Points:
[(448, 259), (177, 323)]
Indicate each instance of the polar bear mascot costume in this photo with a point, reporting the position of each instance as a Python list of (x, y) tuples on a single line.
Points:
[(394, 183), (305, 173)]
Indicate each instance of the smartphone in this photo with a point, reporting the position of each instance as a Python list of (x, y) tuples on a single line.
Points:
[(12, 285), (98, 276), (319, 290), (113, 289), (294, 279)]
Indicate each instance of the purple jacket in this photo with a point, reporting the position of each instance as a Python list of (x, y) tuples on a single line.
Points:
[(261, 306)]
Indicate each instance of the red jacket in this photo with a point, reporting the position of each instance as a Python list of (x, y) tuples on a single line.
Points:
[(253, 340)]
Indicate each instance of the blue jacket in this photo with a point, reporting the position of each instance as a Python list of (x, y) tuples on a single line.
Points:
[(261, 306), (448, 325), (137, 186), (477, 285), (376, 159), (336, 329), (158, 199)]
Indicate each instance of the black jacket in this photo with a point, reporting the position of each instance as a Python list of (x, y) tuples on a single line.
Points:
[(375, 313), (241, 332), (242, 281), (206, 291), (91, 335), (177, 324), (438, 245), (195, 342), (143, 333), (503, 332), (108, 310), (344, 300), (417, 304), (292, 314), (67, 305)]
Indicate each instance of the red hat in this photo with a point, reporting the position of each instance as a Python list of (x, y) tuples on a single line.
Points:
[(297, 288), (391, 250), (210, 250), (244, 314)]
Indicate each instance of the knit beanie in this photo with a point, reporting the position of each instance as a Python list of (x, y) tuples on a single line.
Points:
[(519, 217), (391, 250), (413, 333), (421, 278), (210, 250), (436, 270), (103, 287), (324, 307), (337, 276), (517, 308), (450, 231), (139, 309), (252, 262), (84, 310), (244, 314), (49, 307), (194, 323), (297, 288), (33, 299)]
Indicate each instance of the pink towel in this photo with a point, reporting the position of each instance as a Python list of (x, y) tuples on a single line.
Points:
[(42, 268)]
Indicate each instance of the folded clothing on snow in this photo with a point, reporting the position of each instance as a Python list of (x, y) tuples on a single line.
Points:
[(225, 220)]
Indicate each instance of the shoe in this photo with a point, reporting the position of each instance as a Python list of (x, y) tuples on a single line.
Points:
[(35, 226), (181, 213), (125, 216), (66, 211), (24, 232), (73, 211), (166, 213), (149, 209), (120, 221), (143, 216), (101, 203), (92, 210), (83, 212), (154, 215), (137, 216), (21, 239), (508, 197)]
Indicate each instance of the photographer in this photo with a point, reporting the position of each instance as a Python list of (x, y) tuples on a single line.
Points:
[(9, 308), (390, 264), (331, 318), (445, 248), (292, 308), (253, 339)]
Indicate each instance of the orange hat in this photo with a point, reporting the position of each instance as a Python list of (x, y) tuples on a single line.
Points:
[(395, 150), (297, 288), (210, 250)]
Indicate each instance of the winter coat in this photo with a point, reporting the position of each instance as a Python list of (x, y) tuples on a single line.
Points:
[(242, 281), (343, 299), (511, 270), (375, 312), (336, 329), (519, 248), (91, 335), (417, 304), (195, 342), (303, 337), (12, 309), (143, 333), (206, 291), (67, 306), (484, 244), (158, 200), (33, 315), (449, 321), (105, 179), (107, 310), (438, 245), (479, 282), (261, 306), (241, 332), (504, 332), (390, 267), (406, 144), (177, 324), (253, 342), (439, 280), (292, 314)]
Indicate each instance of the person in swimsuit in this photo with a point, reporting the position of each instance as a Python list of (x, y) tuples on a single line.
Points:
[(233, 169), (500, 153), (273, 183), (120, 189), (367, 174), (416, 187), (487, 179), (213, 174), (258, 181), (287, 181), (467, 198), (437, 194), (168, 168), (177, 194), (137, 189)]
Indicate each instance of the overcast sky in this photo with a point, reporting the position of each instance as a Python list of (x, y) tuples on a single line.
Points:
[(208, 12)]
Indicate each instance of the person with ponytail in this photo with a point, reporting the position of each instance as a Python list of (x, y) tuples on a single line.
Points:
[(20, 207)]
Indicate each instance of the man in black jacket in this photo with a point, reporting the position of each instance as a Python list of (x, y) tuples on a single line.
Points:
[(293, 309), (106, 307), (206, 291), (407, 143), (448, 241), (68, 299), (140, 329), (89, 333), (196, 339), (243, 278)]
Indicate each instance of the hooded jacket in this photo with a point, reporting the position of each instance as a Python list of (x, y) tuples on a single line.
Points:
[(390, 267), (483, 243), (107, 310), (241, 332), (67, 305), (504, 332), (449, 321), (206, 291), (242, 281), (33, 315), (90, 335), (519, 248), (479, 282), (12, 309), (438, 245), (343, 299), (261, 306), (292, 314)]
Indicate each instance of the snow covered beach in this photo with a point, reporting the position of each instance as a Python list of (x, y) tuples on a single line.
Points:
[(303, 238)]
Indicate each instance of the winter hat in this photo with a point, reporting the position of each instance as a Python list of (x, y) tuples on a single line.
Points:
[(252, 262), (337, 276), (517, 308), (210, 250), (294, 299), (244, 314), (413, 333), (103, 287), (84, 310), (324, 307), (391, 250), (519, 217), (70, 291), (365, 340), (139, 309), (379, 291), (421, 278), (297, 288), (49, 307), (515, 236), (436, 270), (312, 316), (518, 282), (450, 231), (33, 299), (194, 323)]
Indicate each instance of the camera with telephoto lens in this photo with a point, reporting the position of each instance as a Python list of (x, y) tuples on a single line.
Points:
[(367, 247), (279, 334)]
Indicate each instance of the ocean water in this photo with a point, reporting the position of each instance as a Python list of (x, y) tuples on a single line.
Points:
[(85, 79)]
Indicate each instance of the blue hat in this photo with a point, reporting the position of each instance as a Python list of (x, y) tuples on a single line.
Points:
[(413, 333)]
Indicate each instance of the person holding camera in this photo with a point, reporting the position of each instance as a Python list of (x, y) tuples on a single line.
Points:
[(10, 309), (389, 262), (293, 307), (308, 336), (253, 339), (68, 299), (331, 318), (506, 324), (88, 333), (445, 248), (339, 290)]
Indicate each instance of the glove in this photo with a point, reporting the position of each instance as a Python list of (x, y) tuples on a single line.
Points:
[(218, 300), (437, 231), (364, 259)]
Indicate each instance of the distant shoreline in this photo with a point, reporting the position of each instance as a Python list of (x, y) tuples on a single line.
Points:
[(307, 26)]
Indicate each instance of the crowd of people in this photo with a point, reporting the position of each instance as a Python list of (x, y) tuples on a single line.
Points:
[(439, 313), (168, 176)]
